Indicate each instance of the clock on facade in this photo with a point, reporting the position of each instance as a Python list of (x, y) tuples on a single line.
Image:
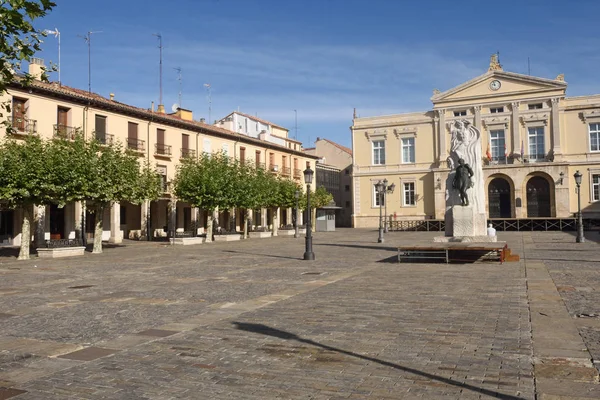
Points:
[(495, 84)]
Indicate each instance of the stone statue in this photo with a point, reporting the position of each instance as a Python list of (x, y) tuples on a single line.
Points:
[(462, 181)]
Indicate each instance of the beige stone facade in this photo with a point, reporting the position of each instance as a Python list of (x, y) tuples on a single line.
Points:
[(534, 138), (50, 110)]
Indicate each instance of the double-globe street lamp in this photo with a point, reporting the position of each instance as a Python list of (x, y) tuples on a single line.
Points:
[(308, 252), (580, 238), (380, 189), (297, 196), (388, 189)]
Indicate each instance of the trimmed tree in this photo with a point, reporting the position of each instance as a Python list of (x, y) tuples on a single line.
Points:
[(24, 181), (319, 198)]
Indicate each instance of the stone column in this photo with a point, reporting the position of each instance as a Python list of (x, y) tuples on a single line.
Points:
[(172, 218), (555, 127), (442, 136), (516, 130), (78, 208), (195, 211), (39, 216), (116, 236), (263, 217), (145, 220), (477, 112), (275, 221)]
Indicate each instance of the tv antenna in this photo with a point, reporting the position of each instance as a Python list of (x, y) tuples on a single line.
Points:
[(207, 86), (178, 69), (88, 39), (56, 34), (160, 46)]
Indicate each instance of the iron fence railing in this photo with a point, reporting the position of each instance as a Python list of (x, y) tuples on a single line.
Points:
[(105, 138), (23, 126), (162, 149), (188, 153), (136, 144)]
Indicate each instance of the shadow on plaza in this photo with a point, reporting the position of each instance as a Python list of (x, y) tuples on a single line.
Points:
[(356, 246), (259, 254), (266, 330)]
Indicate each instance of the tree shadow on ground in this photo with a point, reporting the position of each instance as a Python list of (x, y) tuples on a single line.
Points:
[(263, 255), (356, 246), (268, 331)]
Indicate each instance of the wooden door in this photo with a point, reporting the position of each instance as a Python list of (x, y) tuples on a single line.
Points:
[(18, 114)]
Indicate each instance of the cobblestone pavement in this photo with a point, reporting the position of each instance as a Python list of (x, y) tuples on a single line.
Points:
[(251, 320)]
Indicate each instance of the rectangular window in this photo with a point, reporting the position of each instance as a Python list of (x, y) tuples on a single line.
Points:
[(595, 187), (377, 199), (497, 144), (132, 130), (271, 160), (100, 128), (535, 106), (257, 158), (185, 141), (595, 137), (408, 150), (162, 171), (408, 193), (496, 110), (160, 136), (379, 152), (246, 125), (242, 155), (460, 113), (206, 146), (536, 143), (62, 116)]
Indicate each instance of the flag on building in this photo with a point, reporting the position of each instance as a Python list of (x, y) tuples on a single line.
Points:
[(505, 151), (488, 154)]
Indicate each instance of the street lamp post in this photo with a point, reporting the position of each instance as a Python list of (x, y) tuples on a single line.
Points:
[(380, 187), (580, 238), (308, 252), (297, 196), (388, 189)]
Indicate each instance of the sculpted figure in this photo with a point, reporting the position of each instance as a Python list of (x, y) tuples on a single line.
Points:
[(462, 181)]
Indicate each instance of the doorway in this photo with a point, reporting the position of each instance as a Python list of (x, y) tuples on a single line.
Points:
[(538, 197), (499, 198)]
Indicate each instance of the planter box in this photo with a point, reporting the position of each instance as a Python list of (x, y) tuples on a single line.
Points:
[(59, 252), (302, 231), (286, 232), (187, 241), (227, 238), (259, 235)]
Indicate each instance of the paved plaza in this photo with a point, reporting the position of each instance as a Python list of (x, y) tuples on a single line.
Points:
[(252, 320)]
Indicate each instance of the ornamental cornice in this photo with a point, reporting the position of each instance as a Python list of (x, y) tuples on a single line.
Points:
[(496, 119), (541, 115), (376, 134), (406, 131), (590, 115)]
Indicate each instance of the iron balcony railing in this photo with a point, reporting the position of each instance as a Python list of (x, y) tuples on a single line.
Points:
[(162, 149), (274, 168), (496, 160), (261, 165), (532, 158), (136, 144), (188, 153), (23, 126), (105, 138), (297, 173), (286, 171), (64, 132)]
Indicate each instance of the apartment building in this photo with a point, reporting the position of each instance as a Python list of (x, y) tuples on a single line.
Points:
[(534, 138), (51, 110)]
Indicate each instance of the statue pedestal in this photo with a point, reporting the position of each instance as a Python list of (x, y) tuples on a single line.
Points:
[(463, 221)]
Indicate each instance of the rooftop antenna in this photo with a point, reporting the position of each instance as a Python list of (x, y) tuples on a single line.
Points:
[(160, 47), (295, 125), (178, 69), (207, 86), (88, 39), (56, 34), (528, 67)]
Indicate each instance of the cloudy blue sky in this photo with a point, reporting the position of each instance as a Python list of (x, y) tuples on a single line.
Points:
[(322, 58)]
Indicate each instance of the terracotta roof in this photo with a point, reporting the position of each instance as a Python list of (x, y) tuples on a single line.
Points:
[(83, 96), (264, 121), (339, 146)]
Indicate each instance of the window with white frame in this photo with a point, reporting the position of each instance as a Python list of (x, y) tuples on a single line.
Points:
[(460, 113), (408, 194), (595, 187), (536, 143), (497, 144), (206, 146), (378, 152), (496, 110), (408, 150), (595, 137), (535, 106), (377, 199)]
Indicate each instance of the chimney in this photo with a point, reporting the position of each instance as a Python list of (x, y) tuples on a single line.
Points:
[(36, 68), (203, 120), (161, 108), (152, 107), (184, 114), (112, 96)]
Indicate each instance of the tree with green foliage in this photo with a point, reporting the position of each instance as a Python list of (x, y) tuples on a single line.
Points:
[(24, 181), (319, 198), (208, 183), (252, 190), (19, 39)]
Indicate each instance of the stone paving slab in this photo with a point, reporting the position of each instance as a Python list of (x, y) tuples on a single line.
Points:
[(254, 321)]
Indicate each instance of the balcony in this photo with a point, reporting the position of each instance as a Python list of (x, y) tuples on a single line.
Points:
[(136, 145), (499, 160), (162, 150), (105, 138), (64, 132), (188, 153), (261, 165), (297, 173), (535, 158), (22, 126), (274, 168), (287, 171)]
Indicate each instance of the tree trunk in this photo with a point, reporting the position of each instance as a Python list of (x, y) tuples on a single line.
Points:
[(246, 218), (314, 219), (99, 210), (25, 234), (209, 226), (275, 229)]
